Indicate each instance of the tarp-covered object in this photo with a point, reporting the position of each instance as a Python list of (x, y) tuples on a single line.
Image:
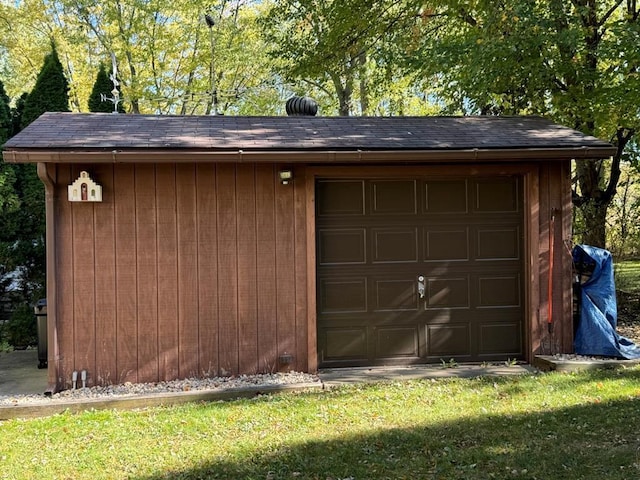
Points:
[(596, 333)]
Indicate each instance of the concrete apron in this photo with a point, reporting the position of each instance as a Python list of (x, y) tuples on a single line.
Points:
[(19, 373)]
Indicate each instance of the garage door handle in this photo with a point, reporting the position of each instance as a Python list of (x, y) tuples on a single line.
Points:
[(421, 286)]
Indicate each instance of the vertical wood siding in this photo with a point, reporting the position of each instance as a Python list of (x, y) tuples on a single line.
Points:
[(182, 270), (247, 258), (64, 281), (555, 199), (207, 269), (266, 266)]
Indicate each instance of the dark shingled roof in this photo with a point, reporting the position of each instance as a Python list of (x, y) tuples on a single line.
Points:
[(65, 131), (112, 138)]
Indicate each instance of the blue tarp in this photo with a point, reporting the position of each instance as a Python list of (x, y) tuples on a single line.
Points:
[(596, 331)]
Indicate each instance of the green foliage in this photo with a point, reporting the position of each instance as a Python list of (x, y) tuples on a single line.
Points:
[(627, 275), (103, 85), (22, 230), (575, 62), (50, 93), (450, 364), (21, 330), (5, 117), (623, 217), (22, 208), (22, 212), (4, 344), (342, 50), (16, 114)]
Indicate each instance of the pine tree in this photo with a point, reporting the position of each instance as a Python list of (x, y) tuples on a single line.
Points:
[(22, 227), (16, 114), (102, 85), (50, 93), (5, 116)]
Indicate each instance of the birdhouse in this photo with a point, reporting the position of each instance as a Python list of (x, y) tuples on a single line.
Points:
[(84, 189)]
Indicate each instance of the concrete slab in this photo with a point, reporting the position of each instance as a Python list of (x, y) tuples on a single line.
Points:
[(342, 376), (19, 373), (549, 363)]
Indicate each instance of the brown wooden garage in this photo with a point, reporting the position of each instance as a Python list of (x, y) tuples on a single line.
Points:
[(227, 245)]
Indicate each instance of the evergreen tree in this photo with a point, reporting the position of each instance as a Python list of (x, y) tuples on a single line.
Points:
[(16, 114), (50, 93), (5, 116), (22, 221), (103, 85)]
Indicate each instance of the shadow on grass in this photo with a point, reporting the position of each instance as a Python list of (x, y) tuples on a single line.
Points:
[(592, 442)]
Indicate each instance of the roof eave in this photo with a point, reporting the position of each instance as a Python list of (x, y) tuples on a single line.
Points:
[(302, 156)]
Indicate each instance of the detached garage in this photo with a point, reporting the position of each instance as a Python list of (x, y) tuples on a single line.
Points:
[(190, 246)]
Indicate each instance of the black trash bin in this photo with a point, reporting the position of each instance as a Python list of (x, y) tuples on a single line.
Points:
[(41, 316)]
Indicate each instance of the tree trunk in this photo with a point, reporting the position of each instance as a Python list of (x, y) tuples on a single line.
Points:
[(364, 86), (594, 215), (594, 200), (344, 93)]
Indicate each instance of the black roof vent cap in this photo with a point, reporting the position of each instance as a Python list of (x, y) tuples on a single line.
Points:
[(301, 106)]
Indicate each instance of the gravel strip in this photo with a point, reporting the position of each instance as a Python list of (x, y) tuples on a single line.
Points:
[(630, 330), (191, 384)]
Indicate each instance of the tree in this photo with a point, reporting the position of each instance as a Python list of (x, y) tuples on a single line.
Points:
[(50, 93), (16, 114), (6, 125), (576, 61), (22, 218), (342, 49), (103, 86)]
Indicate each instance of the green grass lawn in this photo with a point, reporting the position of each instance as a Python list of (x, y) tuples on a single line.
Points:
[(627, 275), (550, 426)]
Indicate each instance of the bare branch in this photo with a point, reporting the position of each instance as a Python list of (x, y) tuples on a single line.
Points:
[(623, 136)]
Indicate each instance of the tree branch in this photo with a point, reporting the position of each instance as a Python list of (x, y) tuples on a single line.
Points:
[(318, 85), (466, 16), (623, 136), (609, 12)]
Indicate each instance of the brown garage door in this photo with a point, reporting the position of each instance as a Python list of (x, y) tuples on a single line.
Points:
[(415, 270)]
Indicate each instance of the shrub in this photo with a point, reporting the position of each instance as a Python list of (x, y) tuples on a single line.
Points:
[(21, 330)]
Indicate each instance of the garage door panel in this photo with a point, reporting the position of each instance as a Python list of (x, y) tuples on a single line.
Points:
[(448, 340), (500, 339), (397, 245), (342, 246), (345, 343), (340, 197), (396, 342), (452, 292), (445, 196), (446, 244), (498, 243), (396, 295), (342, 295), (393, 197), (500, 291), (496, 195)]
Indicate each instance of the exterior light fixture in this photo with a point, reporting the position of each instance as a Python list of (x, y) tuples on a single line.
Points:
[(285, 359), (285, 176)]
